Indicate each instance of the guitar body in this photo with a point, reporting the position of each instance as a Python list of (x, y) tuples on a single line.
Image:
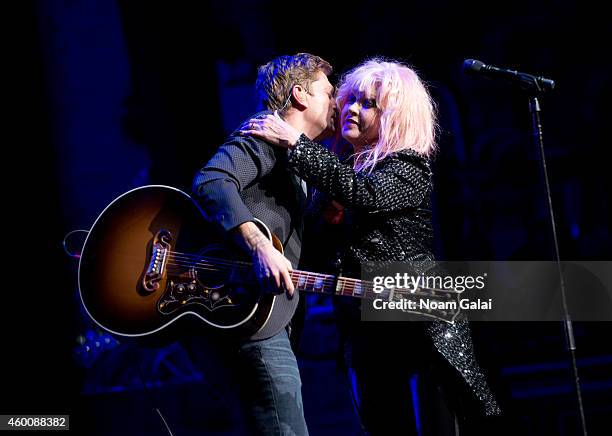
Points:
[(151, 258)]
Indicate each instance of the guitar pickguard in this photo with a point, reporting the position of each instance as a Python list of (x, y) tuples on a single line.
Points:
[(182, 293), (198, 282)]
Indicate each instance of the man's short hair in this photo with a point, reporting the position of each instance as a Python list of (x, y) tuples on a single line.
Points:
[(276, 79)]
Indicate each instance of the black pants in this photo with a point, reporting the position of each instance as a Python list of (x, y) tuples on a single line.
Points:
[(396, 383)]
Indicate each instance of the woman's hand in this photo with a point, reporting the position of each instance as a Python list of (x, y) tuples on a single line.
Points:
[(272, 129)]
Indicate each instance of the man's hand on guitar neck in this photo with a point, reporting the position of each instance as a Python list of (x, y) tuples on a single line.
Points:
[(272, 269)]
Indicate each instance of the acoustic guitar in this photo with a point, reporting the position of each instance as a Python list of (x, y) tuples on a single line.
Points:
[(152, 258)]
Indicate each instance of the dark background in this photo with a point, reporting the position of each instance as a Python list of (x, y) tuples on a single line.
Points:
[(122, 94)]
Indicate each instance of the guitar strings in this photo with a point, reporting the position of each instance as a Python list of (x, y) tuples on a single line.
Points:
[(221, 261), (311, 281), (327, 281)]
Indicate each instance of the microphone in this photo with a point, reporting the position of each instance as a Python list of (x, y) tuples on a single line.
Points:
[(526, 81)]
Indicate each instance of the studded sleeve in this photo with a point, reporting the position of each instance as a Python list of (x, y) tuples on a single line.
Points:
[(396, 183)]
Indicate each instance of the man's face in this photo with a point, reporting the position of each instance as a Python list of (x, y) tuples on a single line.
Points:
[(321, 112)]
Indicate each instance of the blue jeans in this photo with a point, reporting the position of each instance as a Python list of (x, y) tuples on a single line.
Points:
[(271, 387), (256, 384)]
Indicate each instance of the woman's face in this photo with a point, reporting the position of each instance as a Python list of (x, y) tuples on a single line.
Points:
[(360, 119)]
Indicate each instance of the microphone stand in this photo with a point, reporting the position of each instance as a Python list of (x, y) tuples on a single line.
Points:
[(534, 106)]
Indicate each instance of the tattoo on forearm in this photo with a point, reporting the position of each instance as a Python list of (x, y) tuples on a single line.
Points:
[(255, 238), (250, 237)]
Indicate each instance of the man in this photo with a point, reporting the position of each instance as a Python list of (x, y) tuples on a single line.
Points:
[(247, 180)]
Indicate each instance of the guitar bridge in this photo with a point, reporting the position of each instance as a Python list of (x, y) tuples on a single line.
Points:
[(159, 255)]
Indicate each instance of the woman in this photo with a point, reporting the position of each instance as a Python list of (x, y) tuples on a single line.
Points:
[(388, 116)]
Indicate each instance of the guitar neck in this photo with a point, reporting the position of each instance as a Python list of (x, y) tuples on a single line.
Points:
[(328, 284)]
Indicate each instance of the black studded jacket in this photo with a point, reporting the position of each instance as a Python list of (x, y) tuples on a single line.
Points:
[(390, 211), (389, 219)]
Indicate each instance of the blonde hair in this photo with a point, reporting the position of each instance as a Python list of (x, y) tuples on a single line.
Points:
[(407, 112)]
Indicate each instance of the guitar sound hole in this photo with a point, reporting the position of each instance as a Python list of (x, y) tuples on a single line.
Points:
[(213, 267)]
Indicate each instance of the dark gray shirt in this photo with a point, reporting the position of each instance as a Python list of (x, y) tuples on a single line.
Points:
[(245, 179)]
